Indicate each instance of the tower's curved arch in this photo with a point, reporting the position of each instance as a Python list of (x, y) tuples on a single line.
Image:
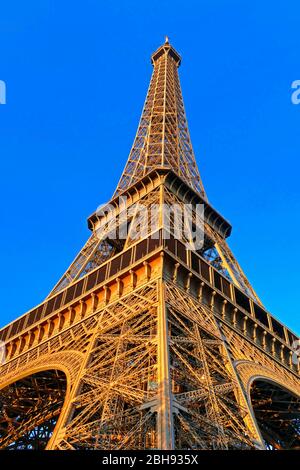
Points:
[(30, 407), (277, 412), (31, 401), (274, 400)]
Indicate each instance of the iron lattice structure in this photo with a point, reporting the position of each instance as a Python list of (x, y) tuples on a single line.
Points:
[(162, 137), (143, 343)]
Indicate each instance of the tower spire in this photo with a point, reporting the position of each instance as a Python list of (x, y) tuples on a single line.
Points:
[(162, 138)]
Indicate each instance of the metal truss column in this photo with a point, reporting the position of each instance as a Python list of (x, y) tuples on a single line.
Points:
[(250, 420), (165, 425), (68, 409)]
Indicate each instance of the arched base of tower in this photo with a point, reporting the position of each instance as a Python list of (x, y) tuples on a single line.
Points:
[(277, 412), (29, 410)]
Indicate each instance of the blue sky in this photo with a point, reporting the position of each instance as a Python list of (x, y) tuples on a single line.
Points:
[(77, 74)]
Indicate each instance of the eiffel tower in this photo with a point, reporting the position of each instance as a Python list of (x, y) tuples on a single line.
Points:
[(150, 341)]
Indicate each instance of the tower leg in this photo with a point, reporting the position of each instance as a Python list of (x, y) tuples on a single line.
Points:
[(250, 418), (68, 409), (165, 426)]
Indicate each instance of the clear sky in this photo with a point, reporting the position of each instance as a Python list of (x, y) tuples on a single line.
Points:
[(77, 73)]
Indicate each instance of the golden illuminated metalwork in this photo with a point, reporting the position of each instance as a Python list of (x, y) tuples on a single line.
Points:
[(144, 344)]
